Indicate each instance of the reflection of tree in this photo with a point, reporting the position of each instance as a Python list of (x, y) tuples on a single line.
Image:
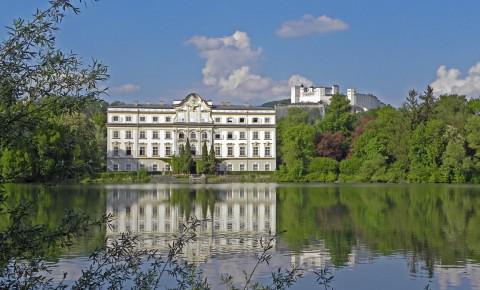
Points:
[(49, 205), (185, 198), (432, 223)]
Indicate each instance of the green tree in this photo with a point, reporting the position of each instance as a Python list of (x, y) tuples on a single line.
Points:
[(338, 116)]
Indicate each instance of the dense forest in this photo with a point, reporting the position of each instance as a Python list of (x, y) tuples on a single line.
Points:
[(428, 139)]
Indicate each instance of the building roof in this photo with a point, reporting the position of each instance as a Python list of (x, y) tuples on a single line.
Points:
[(172, 106)]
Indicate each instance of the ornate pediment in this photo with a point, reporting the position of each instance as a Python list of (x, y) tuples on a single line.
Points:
[(192, 102), (193, 109)]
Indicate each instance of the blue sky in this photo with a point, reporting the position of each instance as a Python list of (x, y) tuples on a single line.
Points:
[(251, 51)]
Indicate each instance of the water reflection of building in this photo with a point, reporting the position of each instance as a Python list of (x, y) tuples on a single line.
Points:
[(238, 216)]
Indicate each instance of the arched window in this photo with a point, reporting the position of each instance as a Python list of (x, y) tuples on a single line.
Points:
[(204, 135), (193, 135), (181, 135)]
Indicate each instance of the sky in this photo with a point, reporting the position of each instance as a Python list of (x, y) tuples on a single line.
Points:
[(250, 52)]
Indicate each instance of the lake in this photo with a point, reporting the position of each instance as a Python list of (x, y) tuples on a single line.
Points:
[(370, 236)]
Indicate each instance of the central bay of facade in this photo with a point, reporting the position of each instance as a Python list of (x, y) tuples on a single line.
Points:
[(147, 136)]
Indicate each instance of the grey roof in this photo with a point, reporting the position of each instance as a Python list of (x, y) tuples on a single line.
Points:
[(240, 107), (148, 106), (214, 107)]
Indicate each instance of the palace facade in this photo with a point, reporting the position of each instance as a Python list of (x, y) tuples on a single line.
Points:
[(147, 136)]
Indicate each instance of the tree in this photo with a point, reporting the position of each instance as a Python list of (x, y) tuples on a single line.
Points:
[(428, 102), (322, 169), (212, 163), (338, 116), (412, 109), (39, 86), (203, 164), (332, 145), (296, 150)]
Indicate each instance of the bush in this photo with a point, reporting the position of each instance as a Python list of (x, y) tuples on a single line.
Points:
[(322, 169)]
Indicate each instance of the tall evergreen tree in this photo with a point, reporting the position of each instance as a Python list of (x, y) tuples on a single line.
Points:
[(428, 102)]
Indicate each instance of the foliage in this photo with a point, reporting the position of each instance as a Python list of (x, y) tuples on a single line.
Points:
[(332, 145), (322, 169), (428, 139), (46, 102), (338, 116)]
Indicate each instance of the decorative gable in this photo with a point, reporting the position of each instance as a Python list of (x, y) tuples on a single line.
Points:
[(193, 109)]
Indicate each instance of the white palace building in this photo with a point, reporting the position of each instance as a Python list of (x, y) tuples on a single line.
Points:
[(147, 136)]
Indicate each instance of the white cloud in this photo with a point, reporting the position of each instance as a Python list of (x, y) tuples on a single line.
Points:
[(450, 81), (228, 69), (124, 89), (309, 24)]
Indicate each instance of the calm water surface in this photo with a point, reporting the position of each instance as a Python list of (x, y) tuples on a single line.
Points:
[(371, 236)]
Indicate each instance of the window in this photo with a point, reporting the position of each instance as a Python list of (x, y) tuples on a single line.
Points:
[(142, 150), (267, 120), (167, 167), (168, 151), (142, 135), (242, 136), (255, 151), (218, 136), (255, 136), (115, 150), (181, 135), (254, 120), (267, 135), (242, 151), (267, 151), (193, 135), (229, 120), (154, 167), (155, 150), (116, 135), (155, 135), (241, 120), (168, 135), (217, 120), (204, 135), (229, 135), (217, 151), (230, 150), (255, 167), (229, 167), (128, 134), (142, 166), (242, 168), (115, 167), (128, 167), (115, 119), (168, 119), (193, 150), (128, 118), (142, 118), (128, 150), (155, 119), (267, 168)]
